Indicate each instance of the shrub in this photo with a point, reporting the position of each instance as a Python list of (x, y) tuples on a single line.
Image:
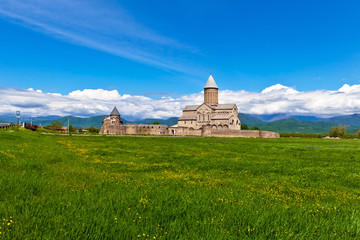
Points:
[(358, 132), (156, 123), (255, 128), (338, 131), (244, 127), (93, 130), (71, 128), (350, 136)]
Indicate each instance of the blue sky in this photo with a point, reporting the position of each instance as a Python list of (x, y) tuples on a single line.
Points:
[(167, 48)]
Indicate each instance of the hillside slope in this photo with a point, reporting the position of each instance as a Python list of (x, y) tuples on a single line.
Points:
[(352, 122)]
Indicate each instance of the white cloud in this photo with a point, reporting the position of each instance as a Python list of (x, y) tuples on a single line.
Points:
[(87, 102), (102, 25), (349, 89), (279, 88), (95, 94)]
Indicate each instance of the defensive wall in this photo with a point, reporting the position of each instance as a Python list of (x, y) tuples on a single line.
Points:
[(244, 133), (134, 129), (184, 131), (205, 131)]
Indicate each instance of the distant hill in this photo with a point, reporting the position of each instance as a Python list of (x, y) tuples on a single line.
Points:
[(169, 121), (301, 124), (308, 118), (8, 119), (13, 119), (269, 117), (250, 121), (75, 121), (96, 121), (349, 120), (298, 124), (275, 117)]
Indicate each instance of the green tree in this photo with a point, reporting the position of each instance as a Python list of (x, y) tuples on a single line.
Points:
[(71, 128), (156, 123), (93, 130), (55, 125), (255, 128), (338, 131), (358, 132), (244, 127)]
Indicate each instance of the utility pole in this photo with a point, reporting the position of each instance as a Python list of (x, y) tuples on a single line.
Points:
[(18, 118), (68, 125)]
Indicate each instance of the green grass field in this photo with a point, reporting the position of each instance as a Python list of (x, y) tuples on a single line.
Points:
[(98, 187)]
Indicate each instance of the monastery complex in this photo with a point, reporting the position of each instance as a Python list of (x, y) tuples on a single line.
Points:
[(207, 119), (219, 116)]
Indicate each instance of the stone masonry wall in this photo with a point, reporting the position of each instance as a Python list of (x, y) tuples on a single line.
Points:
[(244, 133), (133, 129), (267, 134), (112, 129), (184, 131), (206, 131)]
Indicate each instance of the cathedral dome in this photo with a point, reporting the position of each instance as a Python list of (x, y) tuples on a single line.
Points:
[(211, 83)]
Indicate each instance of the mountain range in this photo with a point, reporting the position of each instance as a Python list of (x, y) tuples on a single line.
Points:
[(300, 124), (274, 122)]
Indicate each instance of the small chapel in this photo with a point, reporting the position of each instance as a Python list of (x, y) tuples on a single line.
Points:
[(218, 116)]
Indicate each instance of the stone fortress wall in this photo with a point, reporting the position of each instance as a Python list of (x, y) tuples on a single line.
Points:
[(206, 131), (245, 134), (134, 129)]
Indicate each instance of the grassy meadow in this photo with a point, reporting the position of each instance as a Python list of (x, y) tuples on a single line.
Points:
[(102, 187)]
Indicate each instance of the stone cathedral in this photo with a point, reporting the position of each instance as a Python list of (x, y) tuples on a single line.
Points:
[(209, 119), (218, 116)]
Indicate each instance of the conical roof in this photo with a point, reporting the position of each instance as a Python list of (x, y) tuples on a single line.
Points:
[(115, 112), (211, 83)]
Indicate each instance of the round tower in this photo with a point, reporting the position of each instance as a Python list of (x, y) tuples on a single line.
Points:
[(211, 92)]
